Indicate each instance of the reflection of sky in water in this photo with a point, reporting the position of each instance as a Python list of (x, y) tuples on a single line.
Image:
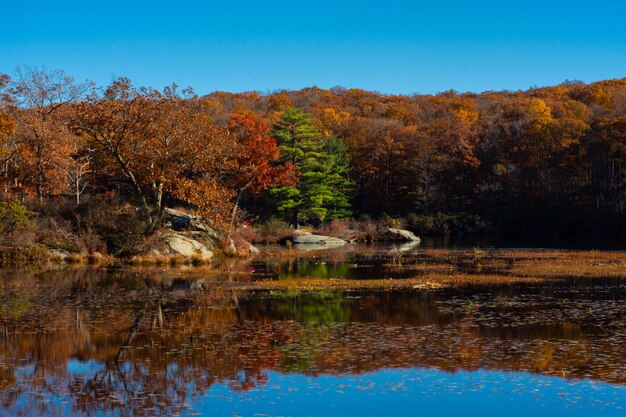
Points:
[(87, 369), (394, 392), (417, 392)]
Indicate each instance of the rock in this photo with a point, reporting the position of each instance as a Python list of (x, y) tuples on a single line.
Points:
[(58, 253), (298, 233), (201, 237), (245, 247), (180, 221), (318, 240), (177, 244), (241, 248), (400, 235)]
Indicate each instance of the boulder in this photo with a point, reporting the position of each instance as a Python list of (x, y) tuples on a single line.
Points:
[(318, 240), (299, 232), (177, 244), (247, 247), (400, 235), (180, 221), (240, 248), (59, 253)]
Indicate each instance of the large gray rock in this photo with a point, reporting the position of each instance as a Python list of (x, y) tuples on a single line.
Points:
[(176, 244), (299, 232), (400, 235), (318, 240), (180, 221)]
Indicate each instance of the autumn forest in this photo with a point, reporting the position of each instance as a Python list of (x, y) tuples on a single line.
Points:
[(543, 161)]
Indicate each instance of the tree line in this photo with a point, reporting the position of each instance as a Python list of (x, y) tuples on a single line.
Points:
[(546, 160), (128, 146)]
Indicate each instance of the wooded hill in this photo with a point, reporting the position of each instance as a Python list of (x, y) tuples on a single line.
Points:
[(539, 161), (546, 160)]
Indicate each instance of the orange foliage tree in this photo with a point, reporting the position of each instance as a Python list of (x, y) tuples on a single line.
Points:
[(162, 146), (257, 153), (39, 102)]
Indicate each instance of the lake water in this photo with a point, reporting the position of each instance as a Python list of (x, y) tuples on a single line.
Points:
[(152, 342)]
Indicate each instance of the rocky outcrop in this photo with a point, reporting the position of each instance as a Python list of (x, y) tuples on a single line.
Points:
[(195, 238), (399, 235), (298, 233), (180, 221), (318, 240), (60, 254), (178, 244)]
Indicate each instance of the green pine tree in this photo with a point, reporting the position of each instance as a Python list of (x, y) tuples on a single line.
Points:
[(337, 178), (322, 189)]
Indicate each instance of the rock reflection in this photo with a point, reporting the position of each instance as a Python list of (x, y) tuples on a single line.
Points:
[(135, 343)]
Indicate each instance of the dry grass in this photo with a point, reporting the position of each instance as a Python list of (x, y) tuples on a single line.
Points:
[(421, 269), (422, 282), (569, 264), (542, 264), (165, 260), (449, 268)]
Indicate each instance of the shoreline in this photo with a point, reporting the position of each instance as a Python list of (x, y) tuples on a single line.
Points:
[(423, 269)]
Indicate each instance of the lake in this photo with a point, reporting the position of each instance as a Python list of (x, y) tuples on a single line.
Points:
[(521, 332)]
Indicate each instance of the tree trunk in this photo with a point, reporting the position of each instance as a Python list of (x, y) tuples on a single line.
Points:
[(158, 196), (77, 185), (232, 219), (135, 185)]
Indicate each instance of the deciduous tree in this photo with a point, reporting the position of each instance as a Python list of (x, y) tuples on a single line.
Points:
[(40, 102)]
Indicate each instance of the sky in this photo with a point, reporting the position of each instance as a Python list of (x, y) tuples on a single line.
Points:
[(394, 47)]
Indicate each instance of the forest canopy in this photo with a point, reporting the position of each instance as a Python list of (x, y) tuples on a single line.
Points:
[(545, 160)]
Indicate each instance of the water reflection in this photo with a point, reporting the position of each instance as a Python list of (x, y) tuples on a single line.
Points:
[(419, 392), (354, 261), (152, 343)]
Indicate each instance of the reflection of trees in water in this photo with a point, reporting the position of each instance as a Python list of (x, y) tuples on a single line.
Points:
[(431, 329), (150, 346)]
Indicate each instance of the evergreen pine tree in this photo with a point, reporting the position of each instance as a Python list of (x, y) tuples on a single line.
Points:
[(337, 178), (321, 191)]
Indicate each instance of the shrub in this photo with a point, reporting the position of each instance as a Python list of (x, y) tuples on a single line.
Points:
[(14, 217), (272, 230), (14, 256), (57, 233), (105, 225), (339, 228)]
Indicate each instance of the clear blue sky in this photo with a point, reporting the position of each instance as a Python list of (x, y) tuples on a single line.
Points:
[(388, 46)]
